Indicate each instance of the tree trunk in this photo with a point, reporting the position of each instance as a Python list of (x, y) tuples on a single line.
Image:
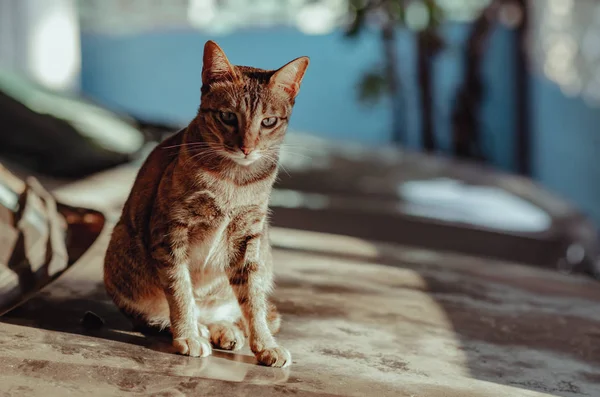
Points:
[(465, 121), (388, 36), (523, 144), (424, 67)]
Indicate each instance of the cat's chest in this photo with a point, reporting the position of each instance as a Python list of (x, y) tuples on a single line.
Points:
[(232, 199), (214, 244)]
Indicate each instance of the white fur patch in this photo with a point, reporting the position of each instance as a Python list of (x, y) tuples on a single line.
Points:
[(229, 311), (209, 252)]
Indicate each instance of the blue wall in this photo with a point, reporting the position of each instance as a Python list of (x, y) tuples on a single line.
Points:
[(566, 146), (157, 76)]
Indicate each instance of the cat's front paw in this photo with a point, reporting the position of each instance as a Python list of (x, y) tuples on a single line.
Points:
[(196, 346), (274, 357)]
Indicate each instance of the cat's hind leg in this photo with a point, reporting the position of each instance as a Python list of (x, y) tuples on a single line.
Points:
[(223, 319), (273, 318), (226, 335)]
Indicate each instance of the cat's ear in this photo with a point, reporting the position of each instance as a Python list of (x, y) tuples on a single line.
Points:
[(215, 66), (289, 76)]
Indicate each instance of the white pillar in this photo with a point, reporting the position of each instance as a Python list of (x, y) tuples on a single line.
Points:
[(40, 39)]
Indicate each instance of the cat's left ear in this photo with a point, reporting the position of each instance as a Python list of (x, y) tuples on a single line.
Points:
[(290, 76)]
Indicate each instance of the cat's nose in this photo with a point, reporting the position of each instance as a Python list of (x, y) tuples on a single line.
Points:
[(246, 150)]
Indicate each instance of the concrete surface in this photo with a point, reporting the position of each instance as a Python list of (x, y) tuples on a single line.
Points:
[(360, 318)]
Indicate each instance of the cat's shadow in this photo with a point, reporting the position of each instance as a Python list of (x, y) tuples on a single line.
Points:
[(57, 309)]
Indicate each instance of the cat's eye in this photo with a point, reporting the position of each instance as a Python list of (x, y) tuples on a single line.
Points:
[(269, 122), (228, 118)]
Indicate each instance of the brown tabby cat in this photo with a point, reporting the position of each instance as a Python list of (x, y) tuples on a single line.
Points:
[(191, 251)]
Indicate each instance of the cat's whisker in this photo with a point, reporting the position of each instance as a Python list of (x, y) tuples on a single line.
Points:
[(195, 149), (209, 155), (286, 146), (284, 169), (298, 154), (188, 144), (272, 157)]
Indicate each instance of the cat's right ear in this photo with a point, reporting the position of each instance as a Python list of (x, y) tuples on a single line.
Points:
[(215, 66)]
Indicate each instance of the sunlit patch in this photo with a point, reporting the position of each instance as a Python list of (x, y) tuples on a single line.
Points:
[(201, 12), (100, 126), (564, 45), (417, 15), (293, 199), (319, 18), (106, 190), (8, 198), (415, 255), (55, 49), (323, 242), (338, 283), (488, 206)]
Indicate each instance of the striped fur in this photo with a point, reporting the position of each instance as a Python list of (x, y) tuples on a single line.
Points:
[(191, 252)]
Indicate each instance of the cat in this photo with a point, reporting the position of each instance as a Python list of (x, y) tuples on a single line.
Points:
[(191, 252)]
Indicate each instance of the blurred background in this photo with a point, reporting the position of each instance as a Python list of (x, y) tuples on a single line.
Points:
[(436, 146), (493, 103)]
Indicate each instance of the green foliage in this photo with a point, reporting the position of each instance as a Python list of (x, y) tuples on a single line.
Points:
[(358, 15), (393, 11), (396, 11), (436, 14), (372, 87)]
